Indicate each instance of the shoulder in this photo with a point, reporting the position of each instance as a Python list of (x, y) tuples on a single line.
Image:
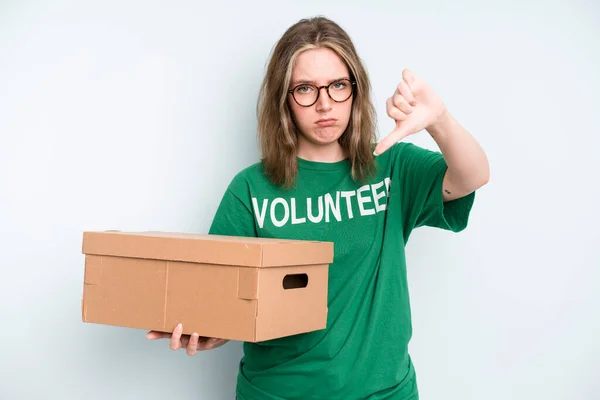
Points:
[(409, 149), (406, 152), (397, 154), (407, 161), (248, 176), (396, 150), (252, 171)]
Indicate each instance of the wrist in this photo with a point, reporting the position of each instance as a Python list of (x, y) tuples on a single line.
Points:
[(441, 126)]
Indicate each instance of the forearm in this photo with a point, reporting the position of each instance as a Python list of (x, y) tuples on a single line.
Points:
[(468, 167)]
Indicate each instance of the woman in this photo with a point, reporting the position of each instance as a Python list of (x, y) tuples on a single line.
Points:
[(323, 177)]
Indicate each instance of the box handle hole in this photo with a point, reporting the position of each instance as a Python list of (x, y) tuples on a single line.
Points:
[(295, 281)]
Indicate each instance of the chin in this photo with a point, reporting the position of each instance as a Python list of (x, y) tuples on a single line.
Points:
[(326, 136)]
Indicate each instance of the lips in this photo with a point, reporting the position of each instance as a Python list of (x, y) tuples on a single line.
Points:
[(326, 121)]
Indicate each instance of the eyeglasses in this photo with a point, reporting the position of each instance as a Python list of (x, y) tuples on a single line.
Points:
[(339, 91)]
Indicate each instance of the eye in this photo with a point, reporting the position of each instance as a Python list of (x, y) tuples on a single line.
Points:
[(340, 85), (303, 89)]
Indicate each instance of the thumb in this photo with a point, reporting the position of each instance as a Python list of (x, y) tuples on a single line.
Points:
[(152, 335), (394, 137)]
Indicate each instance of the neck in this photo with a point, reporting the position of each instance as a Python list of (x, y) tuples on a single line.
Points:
[(327, 153)]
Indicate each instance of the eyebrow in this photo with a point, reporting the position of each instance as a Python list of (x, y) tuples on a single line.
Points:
[(301, 81)]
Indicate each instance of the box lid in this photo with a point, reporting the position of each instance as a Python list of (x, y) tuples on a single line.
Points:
[(209, 249)]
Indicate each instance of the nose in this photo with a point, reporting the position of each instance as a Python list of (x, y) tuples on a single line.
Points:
[(324, 102)]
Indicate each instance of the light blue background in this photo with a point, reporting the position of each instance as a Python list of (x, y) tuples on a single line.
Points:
[(135, 115)]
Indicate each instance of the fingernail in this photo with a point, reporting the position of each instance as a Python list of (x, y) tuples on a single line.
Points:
[(413, 103), (375, 153)]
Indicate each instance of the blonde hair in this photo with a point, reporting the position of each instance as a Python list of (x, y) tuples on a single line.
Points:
[(277, 132)]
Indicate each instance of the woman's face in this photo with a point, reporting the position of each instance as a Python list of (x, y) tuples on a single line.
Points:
[(322, 123)]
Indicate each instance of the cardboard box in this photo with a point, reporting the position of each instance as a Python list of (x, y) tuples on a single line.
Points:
[(237, 288)]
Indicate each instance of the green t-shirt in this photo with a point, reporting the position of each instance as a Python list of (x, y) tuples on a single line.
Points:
[(363, 352)]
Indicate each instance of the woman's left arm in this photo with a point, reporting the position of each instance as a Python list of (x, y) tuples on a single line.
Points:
[(415, 107), (468, 167)]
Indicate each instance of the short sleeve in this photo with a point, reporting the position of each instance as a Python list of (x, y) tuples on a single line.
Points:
[(234, 215), (420, 174)]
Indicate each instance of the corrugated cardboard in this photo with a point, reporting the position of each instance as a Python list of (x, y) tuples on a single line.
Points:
[(237, 288)]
